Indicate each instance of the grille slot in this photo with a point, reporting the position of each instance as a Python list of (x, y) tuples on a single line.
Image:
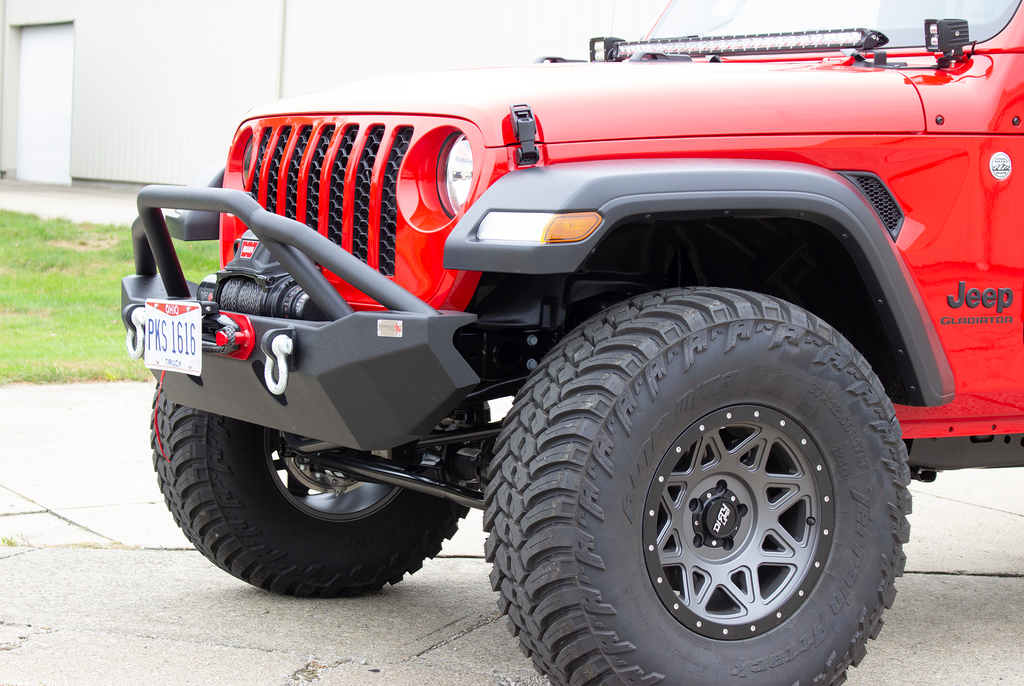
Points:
[(389, 201), (335, 211), (275, 167), (291, 194), (881, 199), (361, 193), (254, 189), (313, 179)]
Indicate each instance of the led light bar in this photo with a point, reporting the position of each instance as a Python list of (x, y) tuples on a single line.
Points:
[(836, 39)]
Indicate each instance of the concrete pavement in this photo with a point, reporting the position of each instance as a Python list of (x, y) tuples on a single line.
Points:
[(81, 202), (98, 586)]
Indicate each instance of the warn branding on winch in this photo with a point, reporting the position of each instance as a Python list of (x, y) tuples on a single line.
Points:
[(248, 248)]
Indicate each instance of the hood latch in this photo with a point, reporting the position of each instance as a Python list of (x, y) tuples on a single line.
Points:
[(524, 128)]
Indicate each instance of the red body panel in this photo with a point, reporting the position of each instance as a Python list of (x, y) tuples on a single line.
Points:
[(929, 134), (609, 101)]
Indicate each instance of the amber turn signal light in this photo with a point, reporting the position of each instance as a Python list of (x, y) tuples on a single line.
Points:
[(564, 228)]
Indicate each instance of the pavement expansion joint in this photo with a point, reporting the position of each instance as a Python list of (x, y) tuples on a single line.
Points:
[(963, 572), (484, 621), (95, 507), (42, 508), (46, 510), (918, 494)]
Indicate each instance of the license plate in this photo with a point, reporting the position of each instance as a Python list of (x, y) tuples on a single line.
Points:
[(174, 336)]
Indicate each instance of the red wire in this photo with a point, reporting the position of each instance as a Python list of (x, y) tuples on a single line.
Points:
[(156, 423)]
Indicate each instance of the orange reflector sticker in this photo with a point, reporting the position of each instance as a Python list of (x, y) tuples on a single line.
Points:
[(564, 228)]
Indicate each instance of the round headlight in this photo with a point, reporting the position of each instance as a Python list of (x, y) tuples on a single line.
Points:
[(456, 179), (246, 159)]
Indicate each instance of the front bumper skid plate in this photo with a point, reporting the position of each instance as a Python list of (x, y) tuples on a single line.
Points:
[(348, 384)]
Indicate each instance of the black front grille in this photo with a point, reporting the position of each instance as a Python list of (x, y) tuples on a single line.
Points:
[(880, 198), (335, 213), (322, 161), (361, 193), (389, 201), (275, 167), (313, 179), (292, 179)]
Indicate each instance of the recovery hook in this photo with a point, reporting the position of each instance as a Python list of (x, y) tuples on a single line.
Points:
[(136, 338), (278, 346)]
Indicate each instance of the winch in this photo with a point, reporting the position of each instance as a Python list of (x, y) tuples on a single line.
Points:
[(254, 282)]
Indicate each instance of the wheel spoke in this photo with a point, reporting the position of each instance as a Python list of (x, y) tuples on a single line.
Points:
[(748, 454), (741, 584), (699, 586), (710, 451), (776, 543), (676, 491), (719, 599), (671, 544), (777, 495)]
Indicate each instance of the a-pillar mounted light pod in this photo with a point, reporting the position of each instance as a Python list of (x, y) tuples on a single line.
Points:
[(948, 36), (601, 46)]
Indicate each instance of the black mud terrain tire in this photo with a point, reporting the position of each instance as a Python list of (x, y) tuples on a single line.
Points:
[(218, 483), (698, 486)]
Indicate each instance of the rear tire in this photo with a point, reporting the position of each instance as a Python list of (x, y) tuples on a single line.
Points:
[(724, 416), (218, 481)]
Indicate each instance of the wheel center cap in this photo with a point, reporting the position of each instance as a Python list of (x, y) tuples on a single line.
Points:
[(720, 517)]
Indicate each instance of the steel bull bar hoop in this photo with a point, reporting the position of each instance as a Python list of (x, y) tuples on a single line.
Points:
[(350, 384), (289, 241)]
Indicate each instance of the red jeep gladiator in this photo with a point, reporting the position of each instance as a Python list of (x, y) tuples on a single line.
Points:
[(745, 279)]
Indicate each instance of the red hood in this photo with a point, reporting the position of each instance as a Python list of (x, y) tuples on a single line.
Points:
[(589, 102)]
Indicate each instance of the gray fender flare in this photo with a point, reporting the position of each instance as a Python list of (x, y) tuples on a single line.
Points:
[(620, 190)]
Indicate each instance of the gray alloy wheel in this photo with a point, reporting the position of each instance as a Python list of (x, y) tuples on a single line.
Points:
[(738, 520)]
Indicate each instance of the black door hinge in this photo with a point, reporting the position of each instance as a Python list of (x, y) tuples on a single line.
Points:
[(524, 128)]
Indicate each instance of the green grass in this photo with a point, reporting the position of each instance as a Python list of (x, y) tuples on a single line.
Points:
[(60, 299)]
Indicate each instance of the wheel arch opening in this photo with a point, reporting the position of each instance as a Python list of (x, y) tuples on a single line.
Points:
[(783, 256)]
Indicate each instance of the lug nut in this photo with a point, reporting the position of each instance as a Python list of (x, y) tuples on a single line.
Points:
[(698, 541)]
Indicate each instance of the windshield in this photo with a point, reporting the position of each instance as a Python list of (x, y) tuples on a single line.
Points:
[(902, 21)]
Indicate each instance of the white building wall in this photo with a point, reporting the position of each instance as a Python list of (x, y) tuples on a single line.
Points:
[(332, 43), (159, 86)]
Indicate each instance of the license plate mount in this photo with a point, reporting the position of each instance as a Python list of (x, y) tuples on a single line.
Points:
[(174, 336)]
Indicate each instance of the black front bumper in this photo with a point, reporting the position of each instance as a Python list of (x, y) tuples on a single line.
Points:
[(347, 384)]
